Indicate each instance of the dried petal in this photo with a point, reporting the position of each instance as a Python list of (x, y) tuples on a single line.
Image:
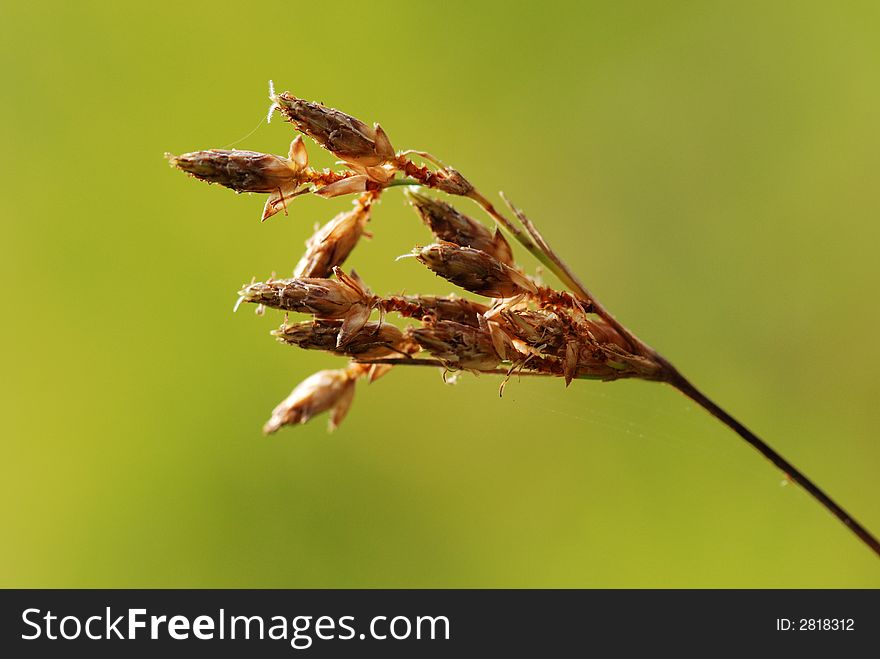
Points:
[(344, 186)]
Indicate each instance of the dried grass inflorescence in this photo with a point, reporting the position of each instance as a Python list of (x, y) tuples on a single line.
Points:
[(518, 327)]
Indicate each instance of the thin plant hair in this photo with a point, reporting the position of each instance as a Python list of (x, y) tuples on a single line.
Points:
[(519, 326)]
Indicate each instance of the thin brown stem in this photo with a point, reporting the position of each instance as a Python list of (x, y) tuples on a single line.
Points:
[(681, 383)]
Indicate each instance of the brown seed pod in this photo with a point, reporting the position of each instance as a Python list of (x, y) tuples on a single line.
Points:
[(448, 307), (333, 242), (373, 341), (450, 225), (344, 298), (451, 181), (459, 345), (250, 171), (325, 298), (349, 139), (541, 330), (611, 362), (242, 171), (331, 390), (474, 270)]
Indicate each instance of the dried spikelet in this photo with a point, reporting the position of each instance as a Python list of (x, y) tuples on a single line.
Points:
[(541, 330), (242, 171), (601, 332), (348, 185), (332, 243), (474, 270), (349, 139), (344, 298), (325, 298), (331, 390), (373, 341), (447, 307), (611, 362), (446, 179), (250, 171), (451, 182), (450, 225), (458, 345)]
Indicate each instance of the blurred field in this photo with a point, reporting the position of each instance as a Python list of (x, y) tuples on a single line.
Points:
[(709, 168)]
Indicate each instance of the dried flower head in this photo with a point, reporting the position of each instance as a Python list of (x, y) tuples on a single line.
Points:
[(374, 340), (452, 226), (332, 243), (331, 390), (344, 298), (451, 182), (250, 171), (325, 298), (349, 139), (435, 307), (460, 346), (541, 330), (474, 270)]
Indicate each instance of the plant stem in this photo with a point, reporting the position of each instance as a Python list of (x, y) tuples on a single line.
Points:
[(681, 383)]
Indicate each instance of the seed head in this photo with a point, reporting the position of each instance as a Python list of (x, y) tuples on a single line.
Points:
[(250, 171), (601, 332), (347, 138), (242, 171), (461, 346), (474, 270), (542, 330), (343, 298), (373, 341), (611, 362), (451, 182), (332, 243), (325, 298), (325, 390), (434, 307), (450, 225)]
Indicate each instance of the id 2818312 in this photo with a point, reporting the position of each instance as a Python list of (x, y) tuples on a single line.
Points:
[(815, 624)]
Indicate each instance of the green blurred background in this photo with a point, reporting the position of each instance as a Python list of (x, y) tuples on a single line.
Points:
[(708, 167)]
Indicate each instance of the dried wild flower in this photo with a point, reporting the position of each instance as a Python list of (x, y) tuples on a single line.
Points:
[(343, 298), (250, 171), (527, 329), (362, 147), (474, 270), (452, 226), (320, 392), (449, 307), (458, 345), (374, 340), (332, 243)]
